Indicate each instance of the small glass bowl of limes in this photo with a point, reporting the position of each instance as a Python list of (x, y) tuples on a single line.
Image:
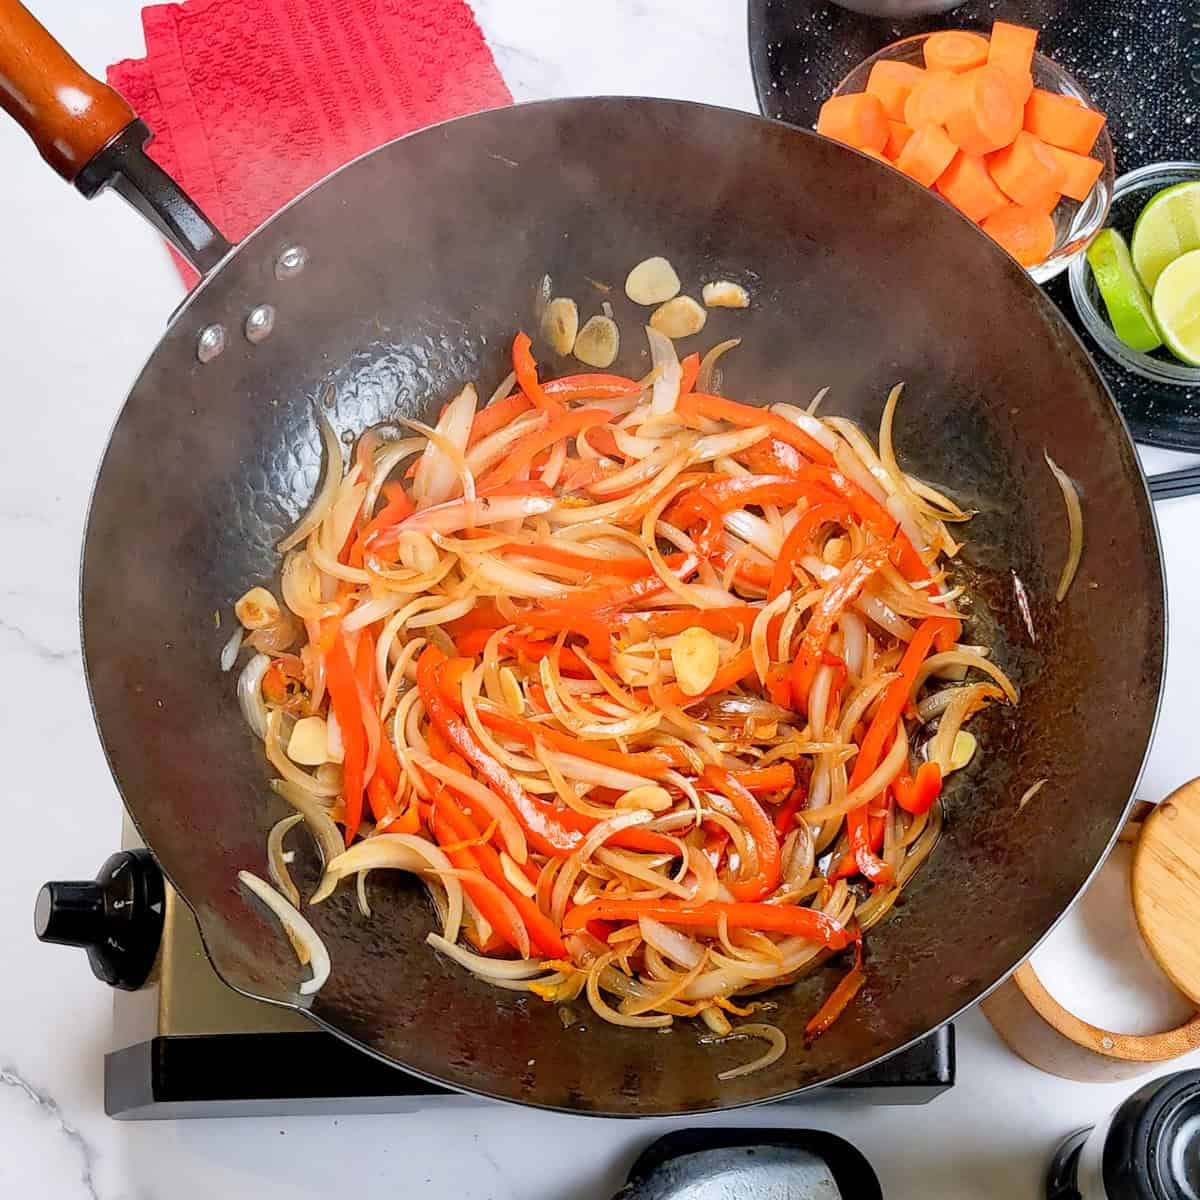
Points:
[(1137, 288)]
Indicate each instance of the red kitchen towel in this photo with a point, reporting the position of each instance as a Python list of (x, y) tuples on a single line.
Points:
[(251, 101)]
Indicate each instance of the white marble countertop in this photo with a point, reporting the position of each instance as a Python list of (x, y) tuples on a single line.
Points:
[(84, 293)]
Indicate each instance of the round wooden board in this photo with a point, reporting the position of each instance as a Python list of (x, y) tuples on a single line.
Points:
[(1165, 881)]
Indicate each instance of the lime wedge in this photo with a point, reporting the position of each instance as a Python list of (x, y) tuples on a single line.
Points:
[(1124, 297), (1167, 227), (1177, 307)]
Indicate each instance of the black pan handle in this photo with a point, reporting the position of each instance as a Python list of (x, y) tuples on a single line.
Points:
[(1170, 485), (90, 135)]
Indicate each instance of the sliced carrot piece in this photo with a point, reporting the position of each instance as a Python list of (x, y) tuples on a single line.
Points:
[(1027, 173), (893, 82), (927, 154), (856, 120), (1077, 172), (1028, 235), (1062, 121), (1011, 49), (898, 134), (955, 50), (968, 186), (933, 100), (988, 115)]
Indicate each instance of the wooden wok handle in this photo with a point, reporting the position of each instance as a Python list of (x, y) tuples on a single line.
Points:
[(68, 114)]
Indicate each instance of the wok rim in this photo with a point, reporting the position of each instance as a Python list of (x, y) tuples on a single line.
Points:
[(1045, 305)]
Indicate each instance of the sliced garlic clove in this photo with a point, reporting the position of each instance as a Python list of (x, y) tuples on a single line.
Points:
[(309, 743), (695, 655), (963, 750), (257, 609), (678, 318), (510, 690), (725, 294), (650, 796), (560, 324), (836, 551), (598, 342), (652, 281)]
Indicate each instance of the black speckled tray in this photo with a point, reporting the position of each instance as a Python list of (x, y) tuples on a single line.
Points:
[(1139, 59)]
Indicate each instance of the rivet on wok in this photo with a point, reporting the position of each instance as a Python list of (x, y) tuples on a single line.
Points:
[(210, 343), (259, 323), (291, 261)]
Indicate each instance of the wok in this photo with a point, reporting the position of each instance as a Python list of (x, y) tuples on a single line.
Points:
[(406, 273)]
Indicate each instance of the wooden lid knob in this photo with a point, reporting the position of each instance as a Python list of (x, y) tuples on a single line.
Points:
[(1165, 880)]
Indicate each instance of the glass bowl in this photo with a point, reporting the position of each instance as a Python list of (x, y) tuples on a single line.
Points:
[(1075, 222), (1129, 198)]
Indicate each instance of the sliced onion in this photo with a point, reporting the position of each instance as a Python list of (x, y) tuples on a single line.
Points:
[(813, 426), (665, 394), (461, 514), (515, 581), (486, 968), (276, 866), (489, 450), (516, 876), (968, 658), (320, 824), (1030, 792), (596, 837), (330, 482), (387, 458), (708, 379), (758, 633), (605, 1011), (768, 1033), (1074, 528), (719, 445), (671, 943), (439, 468), (249, 692), (229, 651), (297, 927)]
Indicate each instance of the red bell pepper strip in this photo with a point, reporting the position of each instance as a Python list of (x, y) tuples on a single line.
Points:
[(771, 457), (465, 858), (796, 541), (774, 918), (746, 416), (523, 452), (758, 825), (473, 643), (879, 734), (622, 568), (779, 685), (918, 795), (847, 988), (597, 604), (838, 596), (542, 931), (398, 508), (785, 814), (527, 378), (767, 779), (591, 387), (497, 416), (690, 369), (344, 699), (545, 833), (740, 490)]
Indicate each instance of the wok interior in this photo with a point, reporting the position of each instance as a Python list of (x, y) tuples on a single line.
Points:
[(424, 259)]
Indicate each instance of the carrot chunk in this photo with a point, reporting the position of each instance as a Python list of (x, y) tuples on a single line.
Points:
[(988, 115), (1062, 121), (1027, 173), (955, 50), (857, 120), (898, 135), (1028, 235), (927, 154), (968, 186), (1078, 173), (1011, 49), (892, 82), (933, 100)]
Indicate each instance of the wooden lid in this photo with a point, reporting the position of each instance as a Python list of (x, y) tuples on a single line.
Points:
[(1165, 881)]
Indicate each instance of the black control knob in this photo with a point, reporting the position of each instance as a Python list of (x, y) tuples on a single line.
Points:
[(116, 917)]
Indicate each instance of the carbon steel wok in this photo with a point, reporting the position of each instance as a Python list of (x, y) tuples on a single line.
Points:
[(405, 274)]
